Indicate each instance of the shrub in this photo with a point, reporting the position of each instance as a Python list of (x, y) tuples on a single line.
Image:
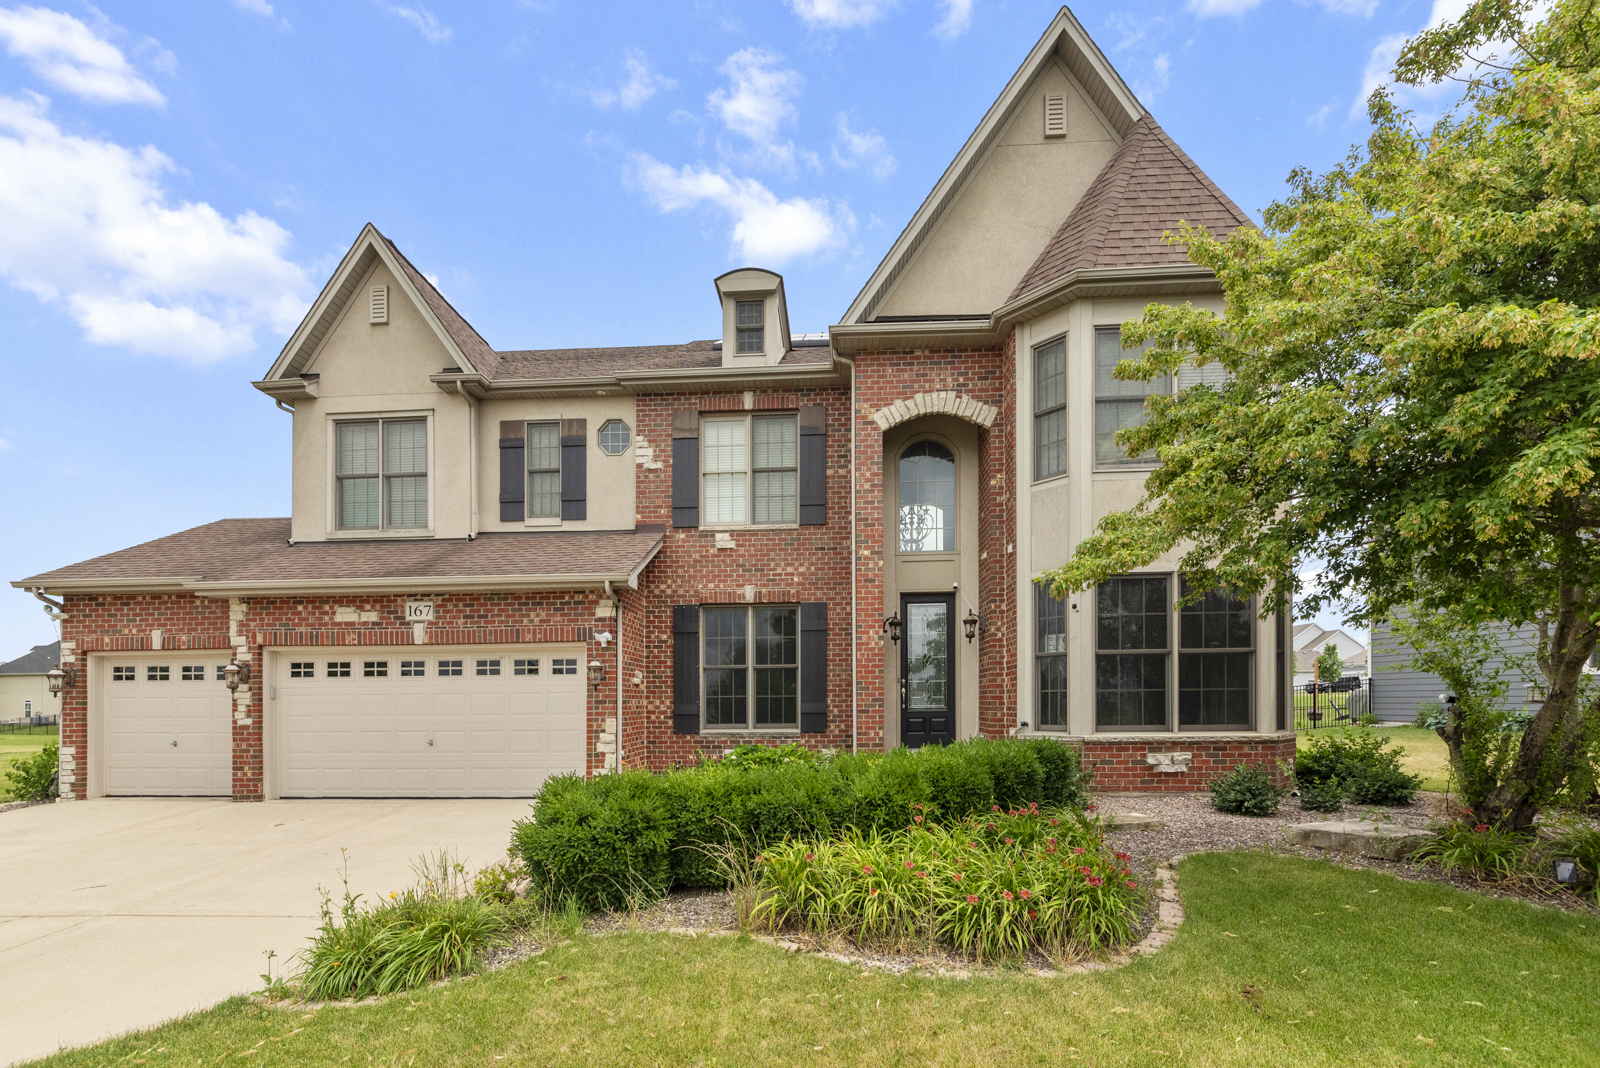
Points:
[(610, 840), (1247, 790), (991, 886), (1582, 843), (1369, 773), (766, 756), (1323, 796), (33, 778), (1483, 851)]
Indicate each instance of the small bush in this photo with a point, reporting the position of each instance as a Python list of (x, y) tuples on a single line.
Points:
[(1323, 796), (1382, 786), (768, 756), (1485, 852), (606, 842), (1247, 790), (1369, 773), (33, 778), (500, 882)]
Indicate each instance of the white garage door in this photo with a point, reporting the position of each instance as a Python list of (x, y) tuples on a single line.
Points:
[(167, 729), (479, 722)]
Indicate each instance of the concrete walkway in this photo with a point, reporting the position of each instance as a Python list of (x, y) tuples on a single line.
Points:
[(121, 913)]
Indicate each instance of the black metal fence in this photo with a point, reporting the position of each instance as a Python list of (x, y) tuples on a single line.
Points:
[(1340, 703), (31, 725)]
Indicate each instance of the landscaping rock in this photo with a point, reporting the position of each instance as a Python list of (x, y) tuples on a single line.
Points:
[(1383, 840), (1135, 821)]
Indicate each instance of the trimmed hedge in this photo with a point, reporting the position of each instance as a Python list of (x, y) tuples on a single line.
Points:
[(632, 836), (1356, 763)]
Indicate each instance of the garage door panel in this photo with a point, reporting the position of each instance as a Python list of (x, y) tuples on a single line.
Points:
[(148, 706), (491, 733)]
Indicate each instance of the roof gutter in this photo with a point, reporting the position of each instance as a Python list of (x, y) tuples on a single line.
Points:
[(36, 586), (937, 333), (408, 583), (1104, 282)]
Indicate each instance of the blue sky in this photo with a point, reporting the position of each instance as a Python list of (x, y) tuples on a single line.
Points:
[(178, 179)]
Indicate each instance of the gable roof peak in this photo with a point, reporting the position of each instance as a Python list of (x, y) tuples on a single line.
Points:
[(1147, 188)]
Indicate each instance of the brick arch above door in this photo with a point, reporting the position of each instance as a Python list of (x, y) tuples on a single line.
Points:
[(943, 402)]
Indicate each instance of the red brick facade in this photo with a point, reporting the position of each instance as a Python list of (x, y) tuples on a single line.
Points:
[(1121, 765)]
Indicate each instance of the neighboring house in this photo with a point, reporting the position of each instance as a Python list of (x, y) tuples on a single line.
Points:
[(1398, 689), (1310, 640), (505, 564), (24, 690)]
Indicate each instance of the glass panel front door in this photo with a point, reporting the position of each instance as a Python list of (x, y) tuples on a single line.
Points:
[(927, 670)]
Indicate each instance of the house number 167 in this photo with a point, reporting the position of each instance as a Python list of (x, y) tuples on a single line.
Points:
[(419, 611)]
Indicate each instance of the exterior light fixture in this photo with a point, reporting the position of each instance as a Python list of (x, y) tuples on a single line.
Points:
[(597, 671), (891, 627), (973, 622), (58, 678), (1566, 871), (234, 675)]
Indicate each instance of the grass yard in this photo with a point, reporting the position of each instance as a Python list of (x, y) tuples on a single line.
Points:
[(21, 745), (1282, 961), (1426, 754)]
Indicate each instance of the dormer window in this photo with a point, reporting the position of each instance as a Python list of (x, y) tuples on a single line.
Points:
[(381, 474), (751, 326)]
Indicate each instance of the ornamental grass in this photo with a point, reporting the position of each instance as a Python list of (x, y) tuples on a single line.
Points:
[(993, 887)]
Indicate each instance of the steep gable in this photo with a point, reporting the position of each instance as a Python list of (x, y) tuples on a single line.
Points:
[(1147, 189)]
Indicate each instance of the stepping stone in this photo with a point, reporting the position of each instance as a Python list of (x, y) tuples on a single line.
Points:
[(1135, 821), (1387, 841)]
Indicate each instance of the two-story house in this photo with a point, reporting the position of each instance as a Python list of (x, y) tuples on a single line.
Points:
[(505, 564)]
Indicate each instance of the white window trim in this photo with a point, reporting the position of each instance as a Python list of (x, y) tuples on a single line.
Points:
[(749, 470), (331, 433), (749, 728), (1096, 466), (1033, 416), (539, 520), (626, 426)]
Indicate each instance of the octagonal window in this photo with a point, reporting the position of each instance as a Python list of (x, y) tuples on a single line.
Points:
[(615, 437)]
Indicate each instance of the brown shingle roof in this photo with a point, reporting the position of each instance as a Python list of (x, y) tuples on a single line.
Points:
[(1144, 190), (461, 332), (258, 550)]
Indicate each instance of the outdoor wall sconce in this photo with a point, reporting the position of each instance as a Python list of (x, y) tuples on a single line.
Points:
[(1566, 871), (58, 679), (891, 627), (234, 675), (973, 622), (597, 671)]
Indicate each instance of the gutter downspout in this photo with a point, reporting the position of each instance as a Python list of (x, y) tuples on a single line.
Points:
[(56, 609), (855, 686), (282, 405), (616, 602), (472, 458)]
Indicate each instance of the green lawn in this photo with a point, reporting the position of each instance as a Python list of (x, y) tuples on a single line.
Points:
[(1426, 754), (1283, 961), (21, 745)]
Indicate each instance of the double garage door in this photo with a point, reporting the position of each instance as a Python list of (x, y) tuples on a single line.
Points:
[(405, 722)]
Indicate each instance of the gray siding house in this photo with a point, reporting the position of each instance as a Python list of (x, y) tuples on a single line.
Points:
[(1397, 689)]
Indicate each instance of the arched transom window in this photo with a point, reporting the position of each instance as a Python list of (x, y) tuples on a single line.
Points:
[(927, 498)]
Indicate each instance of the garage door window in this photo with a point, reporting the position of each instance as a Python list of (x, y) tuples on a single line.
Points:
[(525, 667), (488, 667), (413, 669), (194, 673), (302, 669), (338, 669), (563, 667), (123, 674), (161, 673), (375, 669), (449, 667)]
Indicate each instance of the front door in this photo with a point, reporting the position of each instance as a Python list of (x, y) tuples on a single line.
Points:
[(927, 670)]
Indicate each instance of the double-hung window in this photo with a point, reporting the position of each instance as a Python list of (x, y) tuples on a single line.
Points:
[(752, 667), (1051, 654), (750, 470), (1118, 404), (1050, 409), (1216, 645), (1130, 664), (750, 323), (381, 474), (544, 470)]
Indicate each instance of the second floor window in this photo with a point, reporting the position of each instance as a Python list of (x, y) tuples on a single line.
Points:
[(1050, 409), (750, 468), (1118, 404), (749, 316), (381, 471), (544, 470), (927, 498)]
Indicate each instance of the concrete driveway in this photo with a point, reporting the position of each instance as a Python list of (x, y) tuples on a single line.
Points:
[(120, 913)]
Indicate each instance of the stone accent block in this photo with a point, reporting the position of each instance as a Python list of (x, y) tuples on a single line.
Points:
[(1383, 840)]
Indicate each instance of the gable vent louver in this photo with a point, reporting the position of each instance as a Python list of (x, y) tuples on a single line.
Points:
[(380, 305), (1055, 114)]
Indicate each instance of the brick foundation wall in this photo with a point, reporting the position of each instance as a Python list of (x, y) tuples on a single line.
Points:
[(1120, 764)]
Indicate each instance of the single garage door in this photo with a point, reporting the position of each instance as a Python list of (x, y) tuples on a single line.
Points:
[(479, 722), (167, 729)]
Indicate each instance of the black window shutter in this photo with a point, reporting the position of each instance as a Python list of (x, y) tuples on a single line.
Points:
[(685, 669), (813, 667), (574, 468), (513, 472), (813, 466), (686, 469)]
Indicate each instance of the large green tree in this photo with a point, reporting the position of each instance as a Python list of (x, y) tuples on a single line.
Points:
[(1414, 376)]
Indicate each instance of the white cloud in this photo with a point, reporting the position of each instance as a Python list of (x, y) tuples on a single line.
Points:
[(5, 446), (866, 149), (1357, 8), (766, 230), (1380, 63), (1320, 116), (255, 7), (642, 84), (434, 31), (85, 224), (758, 102), (957, 17), (1208, 8), (69, 55), (842, 14), (1160, 77)]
